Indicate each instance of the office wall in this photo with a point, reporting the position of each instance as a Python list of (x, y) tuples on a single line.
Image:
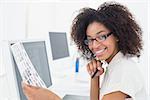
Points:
[(51, 17), (1, 37), (12, 27)]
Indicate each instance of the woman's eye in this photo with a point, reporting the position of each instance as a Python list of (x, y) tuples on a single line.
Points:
[(103, 37)]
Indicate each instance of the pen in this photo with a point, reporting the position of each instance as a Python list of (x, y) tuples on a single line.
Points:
[(77, 65), (96, 70), (94, 73)]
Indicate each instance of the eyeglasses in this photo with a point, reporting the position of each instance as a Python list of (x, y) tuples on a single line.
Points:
[(98, 38)]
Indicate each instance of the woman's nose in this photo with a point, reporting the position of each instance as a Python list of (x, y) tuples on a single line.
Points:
[(95, 43)]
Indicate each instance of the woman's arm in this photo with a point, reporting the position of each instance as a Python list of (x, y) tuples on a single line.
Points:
[(118, 95), (91, 68), (94, 91), (37, 93)]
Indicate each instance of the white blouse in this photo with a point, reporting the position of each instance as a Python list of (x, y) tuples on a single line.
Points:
[(123, 75)]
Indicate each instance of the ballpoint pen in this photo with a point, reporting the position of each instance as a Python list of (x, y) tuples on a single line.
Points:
[(96, 69), (94, 73)]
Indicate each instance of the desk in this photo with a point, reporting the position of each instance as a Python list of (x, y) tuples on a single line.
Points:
[(71, 82)]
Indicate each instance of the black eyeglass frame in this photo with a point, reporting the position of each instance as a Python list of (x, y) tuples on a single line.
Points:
[(100, 38)]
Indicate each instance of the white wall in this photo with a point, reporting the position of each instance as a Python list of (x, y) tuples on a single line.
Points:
[(51, 17), (12, 27)]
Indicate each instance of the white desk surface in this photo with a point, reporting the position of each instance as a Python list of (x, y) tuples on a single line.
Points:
[(71, 82)]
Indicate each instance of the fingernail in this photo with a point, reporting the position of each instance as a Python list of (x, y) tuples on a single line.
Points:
[(99, 68), (90, 72)]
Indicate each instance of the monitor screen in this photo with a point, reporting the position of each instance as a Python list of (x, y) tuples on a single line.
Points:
[(37, 53), (59, 45)]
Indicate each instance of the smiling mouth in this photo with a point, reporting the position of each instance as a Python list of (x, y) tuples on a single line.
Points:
[(100, 52)]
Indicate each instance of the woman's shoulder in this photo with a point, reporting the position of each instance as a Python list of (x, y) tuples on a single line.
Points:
[(128, 63), (122, 61), (125, 66)]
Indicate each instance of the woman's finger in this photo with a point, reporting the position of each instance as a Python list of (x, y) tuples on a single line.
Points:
[(88, 69), (101, 70), (94, 65), (28, 89), (91, 67)]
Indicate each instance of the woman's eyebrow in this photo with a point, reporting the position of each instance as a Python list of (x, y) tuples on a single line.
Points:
[(88, 36), (99, 32)]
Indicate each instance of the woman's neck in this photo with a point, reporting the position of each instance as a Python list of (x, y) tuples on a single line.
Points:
[(112, 56)]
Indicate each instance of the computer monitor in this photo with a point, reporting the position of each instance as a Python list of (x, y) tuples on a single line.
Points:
[(63, 64), (37, 53), (59, 53), (59, 45)]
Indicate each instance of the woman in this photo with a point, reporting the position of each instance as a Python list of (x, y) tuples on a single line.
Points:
[(109, 33)]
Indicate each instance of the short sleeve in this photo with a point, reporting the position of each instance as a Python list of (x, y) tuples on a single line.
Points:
[(124, 77)]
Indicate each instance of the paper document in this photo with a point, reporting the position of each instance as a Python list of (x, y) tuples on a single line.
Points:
[(25, 66)]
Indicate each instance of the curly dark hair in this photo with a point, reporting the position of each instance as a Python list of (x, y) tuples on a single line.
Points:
[(117, 19)]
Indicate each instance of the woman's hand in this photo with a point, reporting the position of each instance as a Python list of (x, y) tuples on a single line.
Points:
[(93, 65), (38, 93), (91, 68)]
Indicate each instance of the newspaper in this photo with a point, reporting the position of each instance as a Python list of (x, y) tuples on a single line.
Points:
[(25, 66)]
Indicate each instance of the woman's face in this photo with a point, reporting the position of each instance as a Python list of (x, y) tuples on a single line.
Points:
[(103, 48)]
